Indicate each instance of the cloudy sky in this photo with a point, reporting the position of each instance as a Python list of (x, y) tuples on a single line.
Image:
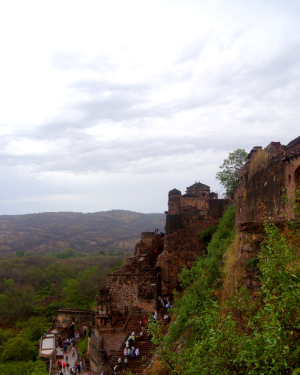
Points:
[(111, 104)]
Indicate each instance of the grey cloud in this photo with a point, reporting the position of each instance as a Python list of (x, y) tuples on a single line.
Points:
[(96, 156)]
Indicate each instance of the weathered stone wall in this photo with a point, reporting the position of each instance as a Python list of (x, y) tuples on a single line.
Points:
[(98, 356), (174, 204), (65, 317), (147, 239), (262, 195), (267, 194), (217, 207), (173, 223), (182, 248), (188, 203), (133, 290), (149, 242)]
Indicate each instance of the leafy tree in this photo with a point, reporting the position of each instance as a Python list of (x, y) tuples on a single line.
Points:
[(39, 368), (34, 327), (18, 349), (102, 252), (24, 368), (54, 307), (228, 176)]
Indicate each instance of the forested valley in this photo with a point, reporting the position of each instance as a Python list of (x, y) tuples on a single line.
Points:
[(33, 288)]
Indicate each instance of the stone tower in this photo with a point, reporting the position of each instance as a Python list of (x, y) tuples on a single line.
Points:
[(174, 202)]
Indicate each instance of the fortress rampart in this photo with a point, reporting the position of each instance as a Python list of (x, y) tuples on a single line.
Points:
[(267, 192)]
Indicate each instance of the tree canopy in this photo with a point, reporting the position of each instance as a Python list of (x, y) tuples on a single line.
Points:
[(228, 176)]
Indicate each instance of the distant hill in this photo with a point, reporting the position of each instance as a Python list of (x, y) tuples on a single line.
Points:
[(88, 233)]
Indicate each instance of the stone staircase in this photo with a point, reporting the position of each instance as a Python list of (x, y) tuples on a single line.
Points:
[(146, 349)]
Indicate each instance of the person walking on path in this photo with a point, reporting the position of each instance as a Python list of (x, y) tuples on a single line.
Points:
[(125, 352), (126, 362), (132, 352), (137, 352)]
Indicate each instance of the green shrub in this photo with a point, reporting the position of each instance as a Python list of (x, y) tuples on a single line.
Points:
[(206, 235), (18, 349), (83, 346)]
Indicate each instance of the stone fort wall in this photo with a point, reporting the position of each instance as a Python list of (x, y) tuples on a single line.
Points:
[(133, 290), (269, 193)]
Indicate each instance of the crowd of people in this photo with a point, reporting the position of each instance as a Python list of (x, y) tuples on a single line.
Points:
[(130, 351), (164, 303), (68, 347)]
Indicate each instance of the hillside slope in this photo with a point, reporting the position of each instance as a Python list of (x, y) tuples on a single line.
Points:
[(89, 233)]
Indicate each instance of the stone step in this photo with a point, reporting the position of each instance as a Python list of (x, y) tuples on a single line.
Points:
[(146, 349)]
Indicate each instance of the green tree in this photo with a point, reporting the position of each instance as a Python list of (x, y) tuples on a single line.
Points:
[(18, 349), (228, 176)]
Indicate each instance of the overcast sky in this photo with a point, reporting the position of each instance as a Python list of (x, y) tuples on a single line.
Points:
[(111, 104)]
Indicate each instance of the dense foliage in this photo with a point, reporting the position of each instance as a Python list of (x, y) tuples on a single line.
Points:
[(26, 280), (24, 284), (246, 334), (19, 347)]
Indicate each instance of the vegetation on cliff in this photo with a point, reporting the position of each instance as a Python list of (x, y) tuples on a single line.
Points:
[(243, 334), (228, 176)]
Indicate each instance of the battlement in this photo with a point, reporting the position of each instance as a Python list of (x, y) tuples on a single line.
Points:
[(267, 183)]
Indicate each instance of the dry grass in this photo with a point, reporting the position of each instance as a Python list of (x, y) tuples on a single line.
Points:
[(259, 161), (157, 368), (232, 269)]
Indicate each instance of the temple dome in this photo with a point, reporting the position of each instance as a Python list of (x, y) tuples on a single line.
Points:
[(174, 192)]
